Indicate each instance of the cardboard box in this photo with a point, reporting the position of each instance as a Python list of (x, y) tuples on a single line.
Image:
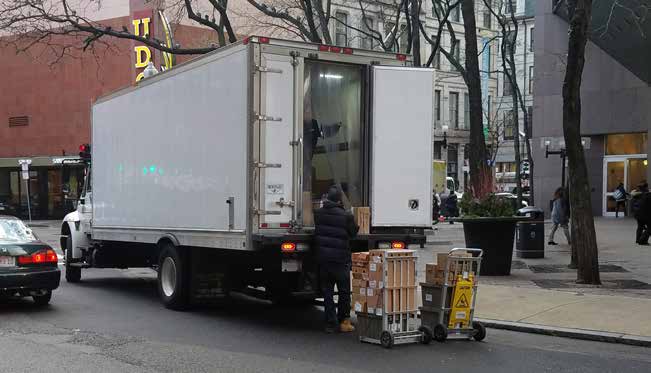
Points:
[(360, 270), (360, 257), (360, 276), (375, 284), (363, 219), (359, 283), (358, 291), (375, 303), (375, 271), (358, 304)]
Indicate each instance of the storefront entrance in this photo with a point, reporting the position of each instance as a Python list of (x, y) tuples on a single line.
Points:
[(624, 162)]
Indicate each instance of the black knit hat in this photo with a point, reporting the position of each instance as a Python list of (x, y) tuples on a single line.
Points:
[(334, 194)]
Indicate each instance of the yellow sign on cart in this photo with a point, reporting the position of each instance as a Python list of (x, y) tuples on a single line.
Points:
[(461, 302)]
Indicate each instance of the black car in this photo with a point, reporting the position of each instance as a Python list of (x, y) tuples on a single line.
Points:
[(28, 267)]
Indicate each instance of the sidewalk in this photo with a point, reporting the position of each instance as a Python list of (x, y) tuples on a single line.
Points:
[(541, 294)]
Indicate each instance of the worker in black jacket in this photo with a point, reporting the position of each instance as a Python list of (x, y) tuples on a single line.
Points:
[(334, 228)]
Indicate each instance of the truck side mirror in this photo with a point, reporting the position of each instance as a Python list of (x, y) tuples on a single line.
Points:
[(82, 201), (65, 188)]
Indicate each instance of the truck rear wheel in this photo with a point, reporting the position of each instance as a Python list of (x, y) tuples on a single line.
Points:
[(173, 278), (73, 274)]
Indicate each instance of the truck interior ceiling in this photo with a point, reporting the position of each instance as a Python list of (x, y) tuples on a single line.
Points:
[(333, 126)]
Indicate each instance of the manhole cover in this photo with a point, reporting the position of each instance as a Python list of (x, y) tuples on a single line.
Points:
[(562, 268), (609, 284), (518, 264)]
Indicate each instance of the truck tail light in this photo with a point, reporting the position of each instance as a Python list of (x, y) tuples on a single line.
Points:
[(334, 49), (324, 48), (401, 57), (348, 50), (288, 247), (41, 257), (263, 40), (397, 245)]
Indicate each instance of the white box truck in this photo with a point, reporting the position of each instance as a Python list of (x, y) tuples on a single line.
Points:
[(210, 172)]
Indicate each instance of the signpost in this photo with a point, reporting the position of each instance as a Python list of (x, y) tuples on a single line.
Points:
[(24, 165)]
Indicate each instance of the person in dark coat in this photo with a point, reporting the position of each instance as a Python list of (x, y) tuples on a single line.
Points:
[(451, 205), (641, 208), (334, 228)]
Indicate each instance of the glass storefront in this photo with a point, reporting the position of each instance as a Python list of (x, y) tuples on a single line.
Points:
[(625, 162), (44, 190)]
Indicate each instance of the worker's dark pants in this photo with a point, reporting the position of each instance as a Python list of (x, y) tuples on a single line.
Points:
[(339, 274), (641, 226), (617, 206)]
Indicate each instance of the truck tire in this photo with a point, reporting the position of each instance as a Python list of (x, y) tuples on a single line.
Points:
[(173, 278), (73, 274)]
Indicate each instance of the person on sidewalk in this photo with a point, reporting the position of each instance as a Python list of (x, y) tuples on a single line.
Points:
[(560, 216), (451, 206), (641, 208), (334, 228), (620, 196)]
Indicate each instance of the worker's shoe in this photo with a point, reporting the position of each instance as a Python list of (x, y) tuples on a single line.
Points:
[(346, 326)]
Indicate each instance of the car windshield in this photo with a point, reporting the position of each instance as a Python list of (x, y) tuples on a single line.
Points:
[(15, 230)]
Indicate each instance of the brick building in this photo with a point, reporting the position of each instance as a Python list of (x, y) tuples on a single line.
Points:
[(45, 102)]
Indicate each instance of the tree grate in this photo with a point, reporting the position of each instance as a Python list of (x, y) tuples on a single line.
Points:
[(605, 284), (563, 268)]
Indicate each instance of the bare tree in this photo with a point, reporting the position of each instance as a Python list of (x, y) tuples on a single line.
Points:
[(31, 22), (584, 240), (509, 30)]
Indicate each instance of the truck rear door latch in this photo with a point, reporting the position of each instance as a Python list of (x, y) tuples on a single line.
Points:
[(265, 69), (266, 212), (266, 118), (282, 203), (267, 165)]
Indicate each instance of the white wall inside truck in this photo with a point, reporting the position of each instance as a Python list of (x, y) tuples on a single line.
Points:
[(169, 154)]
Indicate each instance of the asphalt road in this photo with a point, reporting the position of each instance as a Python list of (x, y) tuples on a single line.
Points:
[(112, 322)]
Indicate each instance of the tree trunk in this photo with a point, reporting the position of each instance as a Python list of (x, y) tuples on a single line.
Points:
[(415, 33), (481, 180), (584, 240)]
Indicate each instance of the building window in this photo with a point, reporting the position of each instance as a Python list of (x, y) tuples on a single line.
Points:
[(487, 16), (388, 31), (438, 145), (511, 6), (509, 125), (368, 25), (507, 89), (404, 39), (530, 80), (341, 35), (436, 63), (437, 104), (455, 13), (454, 109), (531, 34), (453, 161), (455, 52), (466, 111), (530, 121), (627, 143)]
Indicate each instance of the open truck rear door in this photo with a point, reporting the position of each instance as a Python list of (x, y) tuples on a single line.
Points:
[(401, 149)]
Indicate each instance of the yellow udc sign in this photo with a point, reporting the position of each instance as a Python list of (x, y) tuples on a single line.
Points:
[(142, 27)]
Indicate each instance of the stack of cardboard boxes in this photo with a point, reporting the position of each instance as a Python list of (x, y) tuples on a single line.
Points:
[(370, 285), (435, 272)]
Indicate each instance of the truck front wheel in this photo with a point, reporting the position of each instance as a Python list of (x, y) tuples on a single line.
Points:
[(73, 274), (172, 278)]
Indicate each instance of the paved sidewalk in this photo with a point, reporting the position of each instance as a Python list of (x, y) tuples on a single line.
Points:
[(541, 294)]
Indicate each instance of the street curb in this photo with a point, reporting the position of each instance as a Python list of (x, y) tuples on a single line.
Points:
[(585, 334)]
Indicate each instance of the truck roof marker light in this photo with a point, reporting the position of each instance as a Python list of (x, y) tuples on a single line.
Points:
[(246, 40), (334, 49), (263, 40), (288, 247), (324, 48), (348, 50), (397, 245), (284, 225), (264, 225), (401, 57)]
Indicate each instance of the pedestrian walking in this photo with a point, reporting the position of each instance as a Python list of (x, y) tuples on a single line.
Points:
[(560, 216), (451, 206), (641, 209), (334, 228), (620, 196)]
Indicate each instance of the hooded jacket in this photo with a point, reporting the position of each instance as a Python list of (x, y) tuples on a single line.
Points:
[(334, 228)]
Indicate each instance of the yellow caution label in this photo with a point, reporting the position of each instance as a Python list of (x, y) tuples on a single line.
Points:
[(461, 301)]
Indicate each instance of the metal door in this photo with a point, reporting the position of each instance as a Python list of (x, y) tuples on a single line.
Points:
[(401, 148), (277, 142)]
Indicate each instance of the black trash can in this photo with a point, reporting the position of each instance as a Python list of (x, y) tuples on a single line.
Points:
[(530, 235)]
